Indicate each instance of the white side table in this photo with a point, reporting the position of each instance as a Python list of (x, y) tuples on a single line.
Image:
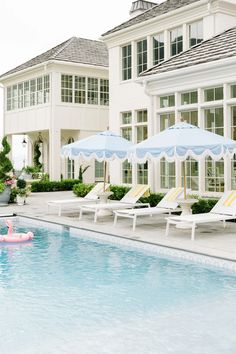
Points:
[(186, 206), (103, 197)]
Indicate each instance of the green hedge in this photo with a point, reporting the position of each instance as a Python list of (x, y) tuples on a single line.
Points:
[(53, 186)]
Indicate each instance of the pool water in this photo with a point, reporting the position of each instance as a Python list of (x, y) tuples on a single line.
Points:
[(62, 293)]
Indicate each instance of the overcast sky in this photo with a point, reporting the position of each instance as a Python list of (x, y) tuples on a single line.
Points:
[(29, 28)]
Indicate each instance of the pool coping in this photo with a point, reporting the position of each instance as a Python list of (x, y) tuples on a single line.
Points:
[(199, 257)]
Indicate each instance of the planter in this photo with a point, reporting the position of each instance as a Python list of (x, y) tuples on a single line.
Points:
[(20, 200), (5, 196)]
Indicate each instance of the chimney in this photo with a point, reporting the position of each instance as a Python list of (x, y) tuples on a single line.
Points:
[(140, 6)]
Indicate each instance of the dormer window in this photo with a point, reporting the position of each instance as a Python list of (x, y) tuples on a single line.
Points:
[(176, 41), (158, 48), (141, 56), (195, 33)]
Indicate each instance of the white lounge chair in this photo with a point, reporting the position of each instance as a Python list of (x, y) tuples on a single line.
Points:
[(90, 197), (225, 209), (167, 205), (128, 201)]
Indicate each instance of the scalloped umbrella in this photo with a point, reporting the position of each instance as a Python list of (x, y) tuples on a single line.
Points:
[(181, 141), (104, 147)]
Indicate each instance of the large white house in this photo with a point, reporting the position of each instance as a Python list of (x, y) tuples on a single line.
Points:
[(56, 98), (174, 61)]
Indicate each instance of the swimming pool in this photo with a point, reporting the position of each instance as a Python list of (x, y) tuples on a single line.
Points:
[(69, 293)]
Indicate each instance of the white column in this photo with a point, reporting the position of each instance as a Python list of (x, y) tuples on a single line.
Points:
[(185, 37), (54, 153)]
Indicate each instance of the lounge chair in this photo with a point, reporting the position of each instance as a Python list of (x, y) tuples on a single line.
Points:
[(225, 209), (167, 205), (90, 197), (128, 201)]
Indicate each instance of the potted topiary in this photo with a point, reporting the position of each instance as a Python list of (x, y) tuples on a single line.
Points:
[(22, 191), (6, 168)]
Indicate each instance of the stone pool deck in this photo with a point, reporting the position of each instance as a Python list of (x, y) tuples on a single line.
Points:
[(211, 239)]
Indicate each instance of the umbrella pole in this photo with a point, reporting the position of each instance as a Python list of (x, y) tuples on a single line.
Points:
[(185, 181), (105, 175)]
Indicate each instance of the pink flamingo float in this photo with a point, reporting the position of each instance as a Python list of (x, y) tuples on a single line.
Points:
[(15, 237)]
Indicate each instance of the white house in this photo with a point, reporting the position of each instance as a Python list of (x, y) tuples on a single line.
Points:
[(176, 60), (57, 97)]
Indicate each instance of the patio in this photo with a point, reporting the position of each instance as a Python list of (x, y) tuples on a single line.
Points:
[(210, 239)]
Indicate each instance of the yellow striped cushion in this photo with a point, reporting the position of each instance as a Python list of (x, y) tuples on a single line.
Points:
[(137, 190), (173, 194), (230, 199)]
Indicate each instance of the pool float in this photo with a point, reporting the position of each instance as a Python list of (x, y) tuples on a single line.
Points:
[(15, 237)]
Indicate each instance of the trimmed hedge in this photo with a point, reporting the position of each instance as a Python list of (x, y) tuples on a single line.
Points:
[(53, 186)]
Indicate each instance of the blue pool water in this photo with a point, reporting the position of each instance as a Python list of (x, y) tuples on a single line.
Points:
[(67, 294)]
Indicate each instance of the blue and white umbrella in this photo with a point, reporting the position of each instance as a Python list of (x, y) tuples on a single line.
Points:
[(104, 147), (180, 142)]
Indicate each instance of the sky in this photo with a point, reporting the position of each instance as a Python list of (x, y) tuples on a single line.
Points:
[(29, 28)]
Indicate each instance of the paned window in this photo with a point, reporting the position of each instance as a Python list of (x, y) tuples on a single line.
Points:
[(104, 92), (190, 117), (191, 170), (189, 97), (214, 178), (176, 41), (142, 173), (9, 98), (166, 120), (141, 133), (142, 116), (99, 170), (167, 174), (158, 48), (141, 56), (70, 164), (21, 95), (233, 173), (92, 90), (126, 172), (214, 94), (126, 118), (214, 120), (26, 94), (126, 62), (195, 33), (167, 101), (14, 97), (80, 89), (32, 92), (233, 123), (127, 133), (39, 92), (233, 91), (67, 88), (46, 88)]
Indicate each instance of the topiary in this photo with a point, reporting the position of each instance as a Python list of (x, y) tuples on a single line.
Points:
[(5, 163), (21, 183), (37, 154)]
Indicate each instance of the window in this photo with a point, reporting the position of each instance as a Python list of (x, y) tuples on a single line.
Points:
[(214, 120), (99, 170), (141, 56), (32, 92), (233, 173), (189, 97), (126, 172), (167, 101), (191, 170), (21, 95), (80, 89), (142, 116), (127, 133), (104, 92), (126, 118), (14, 97), (66, 88), (167, 174), (213, 94), (26, 94), (158, 48), (195, 33), (46, 88), (141, 133), (176, 41), (233, 123), (126, 62), (233, 91), (9, 98), (214, 178), (190, 117), (142, 173), (70, 164), (92, 90), (166, 120), (39, 90)]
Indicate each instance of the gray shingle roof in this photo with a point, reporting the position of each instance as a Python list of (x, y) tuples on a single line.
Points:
[(76, 50), (219, 47), (167, 6)]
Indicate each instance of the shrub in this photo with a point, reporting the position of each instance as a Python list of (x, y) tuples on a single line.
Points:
[(81, 189), (5, 163), (53, 186), (21, 183), (203, 205)]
